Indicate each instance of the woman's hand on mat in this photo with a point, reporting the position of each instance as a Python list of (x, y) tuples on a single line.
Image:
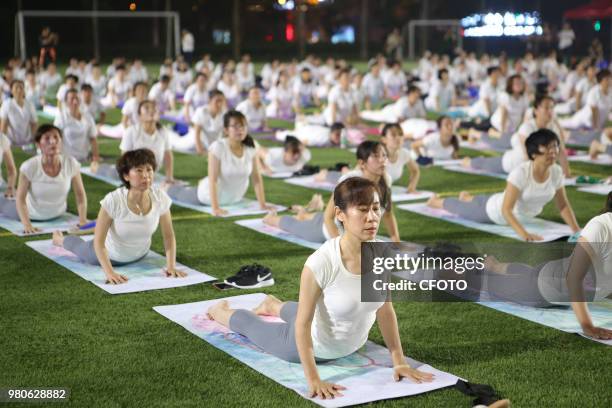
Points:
[(219, 212), (597, 332), (174, 273), (115, 278), (268, 207), (9, 192), (30, 229), (324, 390), (405, 371), (529, 237)]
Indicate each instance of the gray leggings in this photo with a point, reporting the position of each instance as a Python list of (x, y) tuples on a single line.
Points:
[(276, 338), (86, 252), (519, 284), (333, 176), (310, 230), (8, 208), (609, 150), (490, 164), (499, 143), (475, 210), (184, 194)]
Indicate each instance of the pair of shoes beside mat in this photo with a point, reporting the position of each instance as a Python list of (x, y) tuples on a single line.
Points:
[(251, 277)]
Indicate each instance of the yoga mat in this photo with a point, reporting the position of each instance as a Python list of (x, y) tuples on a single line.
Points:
[(158, 179), (244, 207), (399, 193), (257, 224), (175, 117), (602, 189), (279, 175), (549, 230), (602, 159), (64, 222), (367, 373), (112, 131), (481, 146), (146, 274), (479, 172), (562, 319)]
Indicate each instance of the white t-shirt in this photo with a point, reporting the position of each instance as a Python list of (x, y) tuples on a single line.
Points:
[(121, 88), (566, 38), (533, 195), (341, 321), (281, 101), (129, 236), (234, 173), (395, 83), (5, 146), (212, 126), (256, 117), (136, 138), (181, 80), (230, 91), (94, 108), (77, 133), (195, 97), (515, 156), (344, 101), (515, 110), (188, 43), (162, 97), (486, 92), (396, 169), (20, 120), (98, 85), (602, 102), (373, 86), (46, 198), (304, 92), (598, 232), (432, 145), (130, 109), (440, 96), (404, 110), (274, 160), (49, 81)]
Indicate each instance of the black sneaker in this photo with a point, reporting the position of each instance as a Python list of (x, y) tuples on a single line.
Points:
[(251, 277)]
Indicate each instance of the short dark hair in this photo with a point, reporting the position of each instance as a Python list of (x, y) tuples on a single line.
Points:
[(442, 72), (164, 78), (44, 128), (541, 137), (132, 159), (603, 74), (292, 144), (73, 77), (510, 82), (68, 92), (337, 126), (413, 88), (86, 87), (388, 127), (215, 92), (490, 70)]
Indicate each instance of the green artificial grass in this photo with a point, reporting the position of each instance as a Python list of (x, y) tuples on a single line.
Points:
[(115, 351)]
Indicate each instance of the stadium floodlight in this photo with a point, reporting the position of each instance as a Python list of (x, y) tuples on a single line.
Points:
[(172, 18)]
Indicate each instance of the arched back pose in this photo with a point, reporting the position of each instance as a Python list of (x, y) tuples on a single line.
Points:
[(290, 158), (392, 137), (443, 144), (127, 219), (232, 160), (321, 226), (78, 129), (208, 122), (442, 94), (18, 116), (254, 110), (281, 98), (329, 321), (529, 188), (543, 118), (594, 114), (44, 183)]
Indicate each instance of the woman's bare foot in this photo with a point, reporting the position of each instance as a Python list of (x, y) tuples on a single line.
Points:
[(58, 239), (595, 149), (505, 403), (435, 202), (466, 162), (271, 306), (271, 219), (321, 176), (465, 196), (316, 203), (220, 312)]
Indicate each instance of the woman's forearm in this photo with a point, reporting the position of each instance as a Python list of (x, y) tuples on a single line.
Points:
[(567, 214), (581, 310), (514, 223), (303, 341), (170, 246), (169, 165)]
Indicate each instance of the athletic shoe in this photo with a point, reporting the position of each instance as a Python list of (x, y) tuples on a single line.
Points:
[(251, 277)]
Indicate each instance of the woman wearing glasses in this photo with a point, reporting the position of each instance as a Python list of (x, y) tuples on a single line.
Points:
[(232, 160)]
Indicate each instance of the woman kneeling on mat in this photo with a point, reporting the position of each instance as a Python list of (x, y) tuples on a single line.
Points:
[(231, 160), (321, 226), (329, 321), (44, 183), (529, 188), (127, 219)]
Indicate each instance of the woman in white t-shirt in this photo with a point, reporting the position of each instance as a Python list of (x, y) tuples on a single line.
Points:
[(18, 116), (78, 130), (118, 88), (330, 321), (287, 159), (320, 226), (127, 219), (232, 160), (129, 112), (395, 81), (543, 118), (162, 94), (487, 95), (305, 91), (230, 88), (254, 110), (511, 107), (392, 137), (341, 102), (195, 96), (594, 114), (441, 145), (529, 188), (208, 122), (44, 183), (6, 156), (281, 99), (442, 94)]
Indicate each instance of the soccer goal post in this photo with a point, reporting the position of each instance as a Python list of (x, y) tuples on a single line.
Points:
[(173, 24), (437, 24)]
